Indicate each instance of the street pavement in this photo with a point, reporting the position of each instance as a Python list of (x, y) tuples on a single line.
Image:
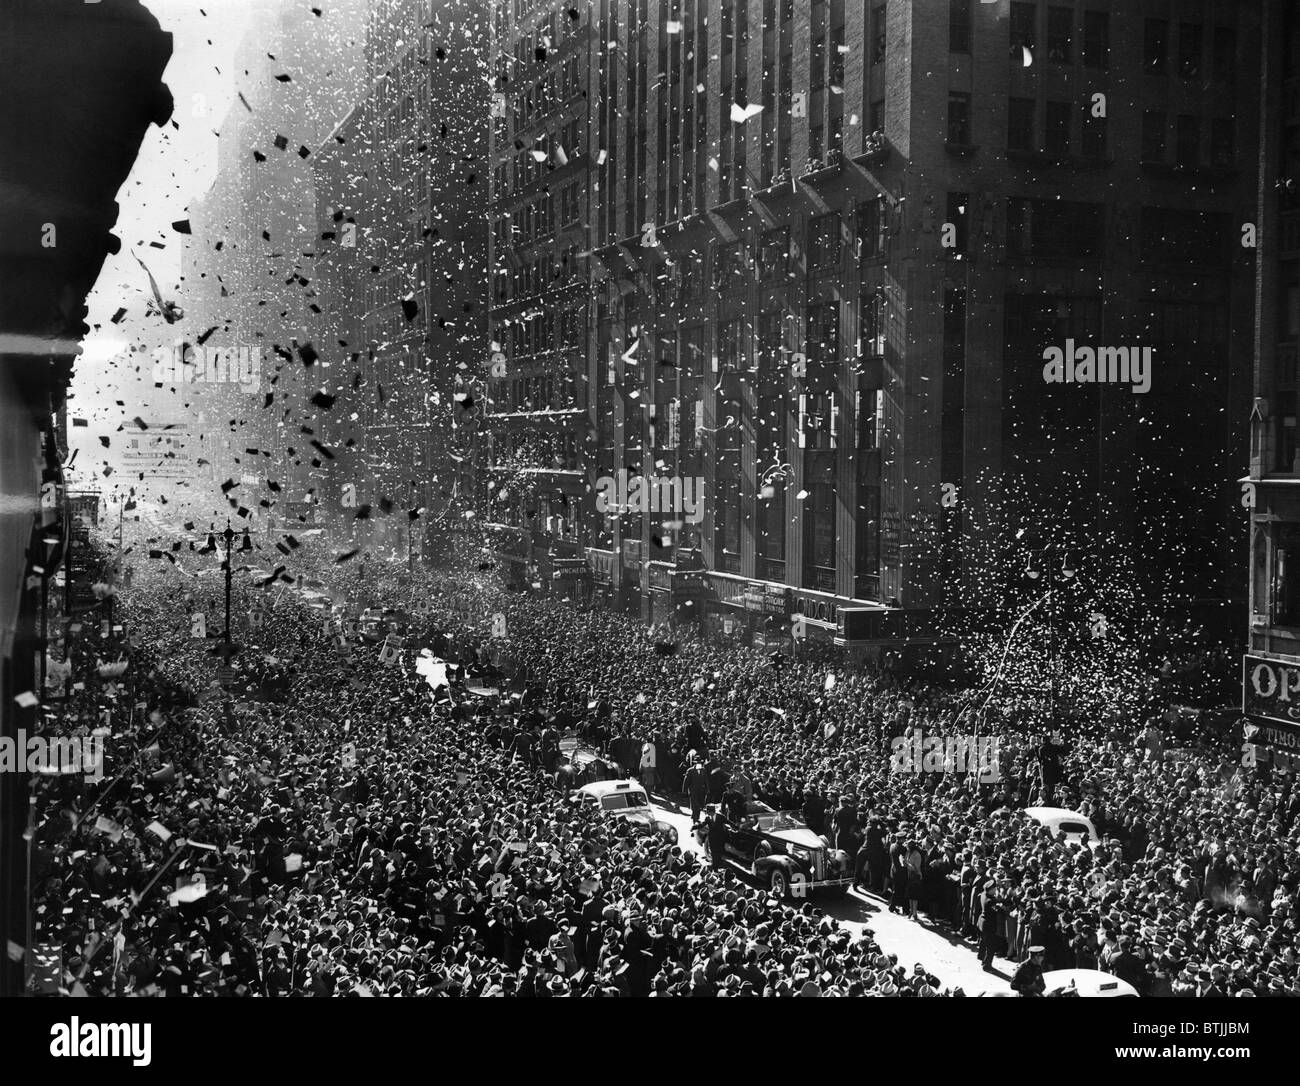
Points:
[(954, 962)]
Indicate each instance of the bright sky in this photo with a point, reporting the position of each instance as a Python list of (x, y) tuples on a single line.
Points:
[(176, 163)]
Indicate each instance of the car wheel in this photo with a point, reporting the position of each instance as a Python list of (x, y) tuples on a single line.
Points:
[(780, 884)]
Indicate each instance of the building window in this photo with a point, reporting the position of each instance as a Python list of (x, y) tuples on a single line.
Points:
[(771, 339), (824, 333), (1020, 124), (815, 145), (1286, 575), (824, 241), (1054, 229), (1222, 140), (1057, 135), (1177, 236), (1189, 50), (1023, 20), (1153, 136), (729, 345), (871, 229), (1060, 31), (876, 119), (1155, 44), (817, 72), (1096, 39), (959, 119), (1094, 134), (1189, 139), (872, 320), (727, 262), (959, 26), (773, 253), (878, 34), (1225, 54)]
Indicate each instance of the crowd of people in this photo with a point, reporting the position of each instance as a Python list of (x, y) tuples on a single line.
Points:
[(338, 826)]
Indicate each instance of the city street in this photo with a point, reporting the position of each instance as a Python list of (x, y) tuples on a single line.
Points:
[(955, 963), (878, 417)]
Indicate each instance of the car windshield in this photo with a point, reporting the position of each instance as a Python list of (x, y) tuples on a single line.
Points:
[(1073, 827), (622, 800)]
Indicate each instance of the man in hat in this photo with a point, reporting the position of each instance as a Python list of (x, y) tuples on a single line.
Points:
[(696, 784), (1028, 980), (991, 914)]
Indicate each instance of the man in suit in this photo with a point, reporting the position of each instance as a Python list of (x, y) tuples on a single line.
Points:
[(991, 913), (696, 783)]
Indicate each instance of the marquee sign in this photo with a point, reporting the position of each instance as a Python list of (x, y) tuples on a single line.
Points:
[(1270, 698)]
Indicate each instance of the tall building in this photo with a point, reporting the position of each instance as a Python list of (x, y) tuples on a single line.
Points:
[(81, 85), (1271, 668), (814, 260), (541, 407), (249, 263), (400, 198)]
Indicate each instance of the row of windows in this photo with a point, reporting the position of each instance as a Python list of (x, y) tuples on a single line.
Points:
[(827, 240), (539, 392), (547, 331), (1059, 32), (534, 221), (1057, 134), (533, 277), (550, 91), (547, 153)]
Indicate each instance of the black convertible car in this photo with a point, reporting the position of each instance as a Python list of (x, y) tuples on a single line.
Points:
[(780, 849)]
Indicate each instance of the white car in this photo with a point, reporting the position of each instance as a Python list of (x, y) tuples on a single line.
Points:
[(626, 800), (1068, 825), (1084, 983), (1087, 983)]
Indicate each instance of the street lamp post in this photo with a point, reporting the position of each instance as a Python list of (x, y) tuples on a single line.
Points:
[(246, 545), (229, 536)]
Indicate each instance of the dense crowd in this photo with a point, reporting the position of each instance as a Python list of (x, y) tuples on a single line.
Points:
[(351, 831)]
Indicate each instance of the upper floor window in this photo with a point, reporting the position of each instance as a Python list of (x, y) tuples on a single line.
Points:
[(824, 240), (1060, 34), (959, 26)]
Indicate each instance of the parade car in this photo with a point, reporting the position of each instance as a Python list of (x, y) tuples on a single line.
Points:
[(1087, 983), (626, 800), (780, 849), (1081, 983), (1070, 826), (582, 763)]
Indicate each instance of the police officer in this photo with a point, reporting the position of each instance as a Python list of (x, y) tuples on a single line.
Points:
[(1028, 980)]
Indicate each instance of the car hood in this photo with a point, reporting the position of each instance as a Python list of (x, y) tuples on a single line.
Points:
[(802, 836), (634, 814)]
